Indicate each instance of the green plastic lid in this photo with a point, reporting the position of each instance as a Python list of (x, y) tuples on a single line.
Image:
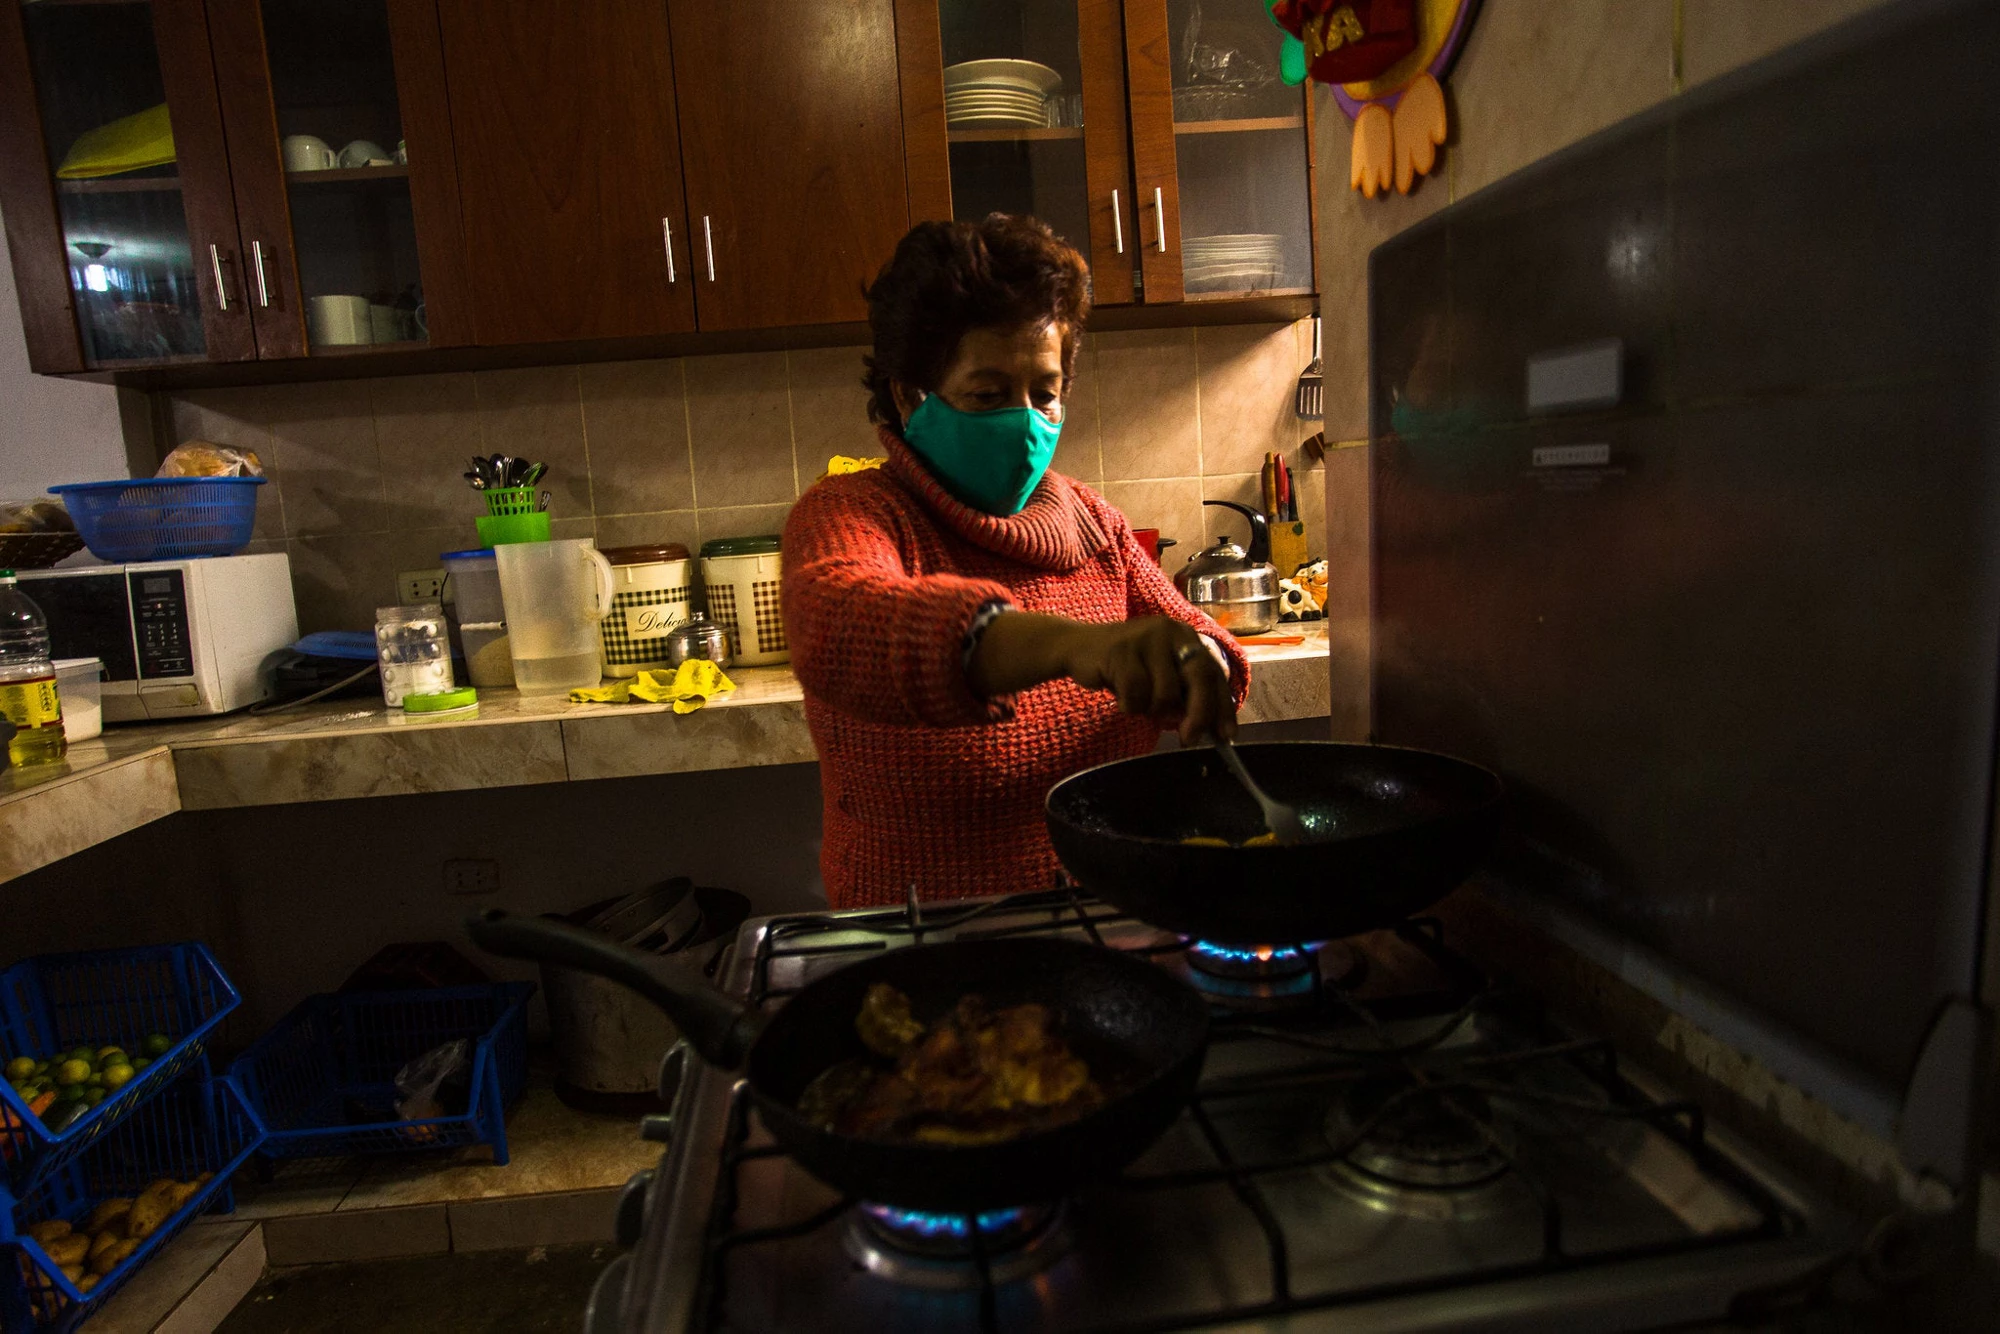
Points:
[(741, 546), (462, 698)]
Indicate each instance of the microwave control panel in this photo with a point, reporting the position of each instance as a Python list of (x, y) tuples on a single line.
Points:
[(160, 621)]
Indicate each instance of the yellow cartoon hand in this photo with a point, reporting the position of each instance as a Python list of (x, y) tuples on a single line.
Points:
[(1373, 162), (1419, 129)]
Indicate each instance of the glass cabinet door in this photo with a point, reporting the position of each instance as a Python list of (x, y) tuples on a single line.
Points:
[(132, 137), (1241, 154), (323, 168), (1035, 120)]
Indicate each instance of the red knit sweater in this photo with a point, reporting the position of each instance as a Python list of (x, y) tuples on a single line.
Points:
[(926, 783)]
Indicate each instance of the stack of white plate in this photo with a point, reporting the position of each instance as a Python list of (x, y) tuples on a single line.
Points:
[(1248, 262), (998, 93)]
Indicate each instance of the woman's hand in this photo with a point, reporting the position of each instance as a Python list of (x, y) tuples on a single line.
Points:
[(1157, 666)]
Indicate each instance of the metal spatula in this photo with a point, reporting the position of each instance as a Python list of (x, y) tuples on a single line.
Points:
[(1279, 818), (1306, 402)]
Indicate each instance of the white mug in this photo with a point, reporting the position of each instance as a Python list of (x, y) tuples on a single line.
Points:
[(304, 152), (387, 324), (361, 152), (335, 321)]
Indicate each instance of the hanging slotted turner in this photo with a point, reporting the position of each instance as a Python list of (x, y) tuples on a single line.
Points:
[(1306, 402)]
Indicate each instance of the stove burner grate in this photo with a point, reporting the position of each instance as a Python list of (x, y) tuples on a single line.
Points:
[(976, 1260)]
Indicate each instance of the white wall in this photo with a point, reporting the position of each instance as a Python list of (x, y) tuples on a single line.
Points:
[(51, 430)]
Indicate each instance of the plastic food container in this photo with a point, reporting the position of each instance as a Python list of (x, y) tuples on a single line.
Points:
[(649, 601), (742, 577), (482, 620), (80, 687)]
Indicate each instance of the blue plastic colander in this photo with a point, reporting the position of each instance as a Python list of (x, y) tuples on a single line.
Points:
[(163, 518)]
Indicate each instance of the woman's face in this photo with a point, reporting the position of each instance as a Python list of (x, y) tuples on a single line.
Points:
[(999, 368)]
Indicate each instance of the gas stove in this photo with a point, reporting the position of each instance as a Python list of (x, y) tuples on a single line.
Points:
[(1383, 1139)]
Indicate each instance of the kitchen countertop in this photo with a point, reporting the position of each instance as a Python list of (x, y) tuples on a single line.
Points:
[(139, 773)]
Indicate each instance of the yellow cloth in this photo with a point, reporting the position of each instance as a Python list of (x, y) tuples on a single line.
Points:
[(840, 465), (687, 687), (144, 139)]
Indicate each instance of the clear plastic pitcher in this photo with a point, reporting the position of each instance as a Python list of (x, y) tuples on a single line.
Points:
[(554, 594)]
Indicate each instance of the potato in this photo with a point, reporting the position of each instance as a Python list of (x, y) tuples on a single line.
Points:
[(107, 1213), (113, 1257), (74, 1273), (86, 1283), (70, 1250), (50, 1230), (152, 1208), (178, 1197), (103, 1241)]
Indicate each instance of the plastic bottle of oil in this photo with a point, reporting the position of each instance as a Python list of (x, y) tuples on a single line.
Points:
[(28, 679)]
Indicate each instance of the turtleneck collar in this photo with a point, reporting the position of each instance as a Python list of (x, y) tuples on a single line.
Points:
[(1054, 531)]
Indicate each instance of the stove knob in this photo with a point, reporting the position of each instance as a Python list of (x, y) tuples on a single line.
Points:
[(657, 1129), (631, 1219)]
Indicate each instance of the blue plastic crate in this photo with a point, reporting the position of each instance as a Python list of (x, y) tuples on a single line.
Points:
[(197, 1126), (57, 1002), (322, 1083), (163, 518)]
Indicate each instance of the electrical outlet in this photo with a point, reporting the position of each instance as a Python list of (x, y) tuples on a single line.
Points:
[(416, 586), (473, 875)]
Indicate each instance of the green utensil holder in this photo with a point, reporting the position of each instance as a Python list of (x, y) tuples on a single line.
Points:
[(500, 529), (508, 501)]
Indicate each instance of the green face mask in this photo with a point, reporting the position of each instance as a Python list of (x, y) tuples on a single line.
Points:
[(991, 461)]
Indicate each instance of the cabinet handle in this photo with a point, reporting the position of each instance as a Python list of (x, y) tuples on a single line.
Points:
[(1159, 221), (667, 231), (1117, 226), (263, 289), (221, 289), (708, 244)]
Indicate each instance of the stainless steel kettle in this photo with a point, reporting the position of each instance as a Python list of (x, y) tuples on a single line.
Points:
[(1238, 588)]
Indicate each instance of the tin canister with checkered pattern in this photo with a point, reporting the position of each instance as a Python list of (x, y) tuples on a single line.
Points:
[(649, 600), (741, 575)]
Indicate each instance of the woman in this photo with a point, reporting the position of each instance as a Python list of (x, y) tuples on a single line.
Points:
[(969, 628)]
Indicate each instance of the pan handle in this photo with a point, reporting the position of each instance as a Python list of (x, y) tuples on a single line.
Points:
[(715, 1026)]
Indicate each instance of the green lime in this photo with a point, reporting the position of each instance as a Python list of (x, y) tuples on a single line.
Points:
[(96, 1096), (105, 1054), (41, 1067), (118, 1076), (141, 1062), (156, 1045), (70, 1093), (87, 1055), (20, 1068), (72, 1072)]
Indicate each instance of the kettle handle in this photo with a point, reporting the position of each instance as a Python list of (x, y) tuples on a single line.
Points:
[(1260, 530)]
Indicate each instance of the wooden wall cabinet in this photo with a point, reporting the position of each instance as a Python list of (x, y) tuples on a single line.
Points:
[(531, 173), (569, 170), (1167, 149), (791, 124), (147, 242)]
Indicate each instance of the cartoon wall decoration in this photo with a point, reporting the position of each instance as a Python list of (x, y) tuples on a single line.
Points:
[(1384, 60)]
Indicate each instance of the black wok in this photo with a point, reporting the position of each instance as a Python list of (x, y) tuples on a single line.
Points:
[(1142, 1032), (1391, 831)]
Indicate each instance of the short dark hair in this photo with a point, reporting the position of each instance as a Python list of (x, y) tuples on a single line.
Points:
[(949, 277)]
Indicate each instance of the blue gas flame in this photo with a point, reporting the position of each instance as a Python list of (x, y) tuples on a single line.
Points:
[(943, 1225)]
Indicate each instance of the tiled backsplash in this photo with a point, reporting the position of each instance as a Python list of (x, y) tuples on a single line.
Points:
[(366, 474)]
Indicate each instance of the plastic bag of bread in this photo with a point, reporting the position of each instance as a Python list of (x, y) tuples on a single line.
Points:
[(35, 516), (199, 458)]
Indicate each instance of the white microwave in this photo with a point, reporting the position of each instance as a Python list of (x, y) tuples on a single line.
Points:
[(179, 638)]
